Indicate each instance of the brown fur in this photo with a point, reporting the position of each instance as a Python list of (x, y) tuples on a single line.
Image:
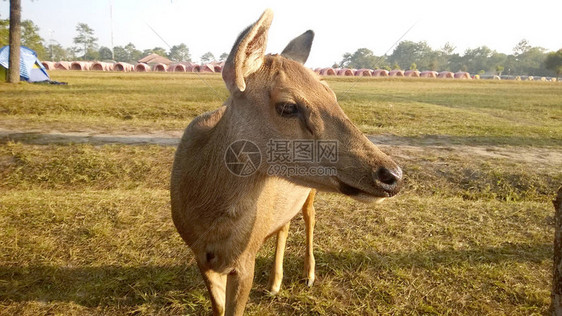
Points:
[(225, 218)]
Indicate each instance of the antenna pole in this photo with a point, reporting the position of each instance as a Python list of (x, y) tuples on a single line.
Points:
[(111, 26)]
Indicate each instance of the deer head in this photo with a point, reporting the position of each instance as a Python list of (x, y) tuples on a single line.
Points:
[(276, 101)]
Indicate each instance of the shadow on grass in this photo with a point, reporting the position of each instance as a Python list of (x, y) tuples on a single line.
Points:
[(433, 259), (129, 286), (99, 286)]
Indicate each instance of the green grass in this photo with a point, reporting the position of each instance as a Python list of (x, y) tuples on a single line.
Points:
[(508, 112), (86, 230)]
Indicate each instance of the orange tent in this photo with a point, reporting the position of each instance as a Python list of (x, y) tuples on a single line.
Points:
[(327, 72), (446, 74), (160, 67), (101, 66), (177, 68), (462, 75), (380, 73), (121, 66), (62, 65), (142, 67), (80, 65), (49, 65), (207, 68), (412, 73), (345, 72), (429, 74), (364, 72)]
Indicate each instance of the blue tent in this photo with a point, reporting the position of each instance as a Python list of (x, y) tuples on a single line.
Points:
[(31, 68)]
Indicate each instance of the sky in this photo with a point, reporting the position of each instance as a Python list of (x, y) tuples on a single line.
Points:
[(340, 26)]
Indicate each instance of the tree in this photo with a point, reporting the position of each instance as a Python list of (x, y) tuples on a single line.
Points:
[(15, 41), (4, 32), (223, 56), (499, 70), (86, 42), (361, 58), (553, 62), (477, 58), (207, 58), (133, 53), (120, 54), (105, 53), (30, 38), (57, 52), (408, 52), (156, 50), (448, 49), (180, 53), (413, 66), (522, 47)]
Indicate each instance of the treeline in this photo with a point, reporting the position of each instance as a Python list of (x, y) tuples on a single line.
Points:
[(86, 47), (525, 60)]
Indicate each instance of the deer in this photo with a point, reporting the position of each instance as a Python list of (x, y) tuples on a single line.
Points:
[(224, 210)]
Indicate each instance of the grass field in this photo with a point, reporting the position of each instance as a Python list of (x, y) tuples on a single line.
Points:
[(86, 229)]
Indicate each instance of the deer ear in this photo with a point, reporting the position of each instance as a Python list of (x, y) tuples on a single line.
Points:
[(299, 48), (247, 54)]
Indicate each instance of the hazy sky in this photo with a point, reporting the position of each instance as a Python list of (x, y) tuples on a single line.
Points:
[(340, 26)]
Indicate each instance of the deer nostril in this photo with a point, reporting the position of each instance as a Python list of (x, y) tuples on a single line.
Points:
[(386, 176)]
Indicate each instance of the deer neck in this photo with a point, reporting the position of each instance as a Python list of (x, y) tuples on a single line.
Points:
[(226, 192)]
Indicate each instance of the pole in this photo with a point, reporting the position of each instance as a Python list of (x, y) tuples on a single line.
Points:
[(111, 25)]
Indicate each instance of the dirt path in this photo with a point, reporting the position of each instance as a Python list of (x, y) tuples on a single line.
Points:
[(404, 147)]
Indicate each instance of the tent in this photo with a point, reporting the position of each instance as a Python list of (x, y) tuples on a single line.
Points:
[(429, 74), (160, 67), (345, 72), (141, 67), (207, 68), (80, 65), (327, 72), (125, 67), (102, 66), (363, 72), (396, 73), (380, 73), (177, 68), (412, 73), (462, 75), (49, 65), (62, 65), (31, 68), (446, 74)]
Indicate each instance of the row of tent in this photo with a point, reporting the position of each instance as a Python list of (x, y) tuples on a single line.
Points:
[(391, 73), (126, 67), (419, 74), (32, 70), (217, 68)]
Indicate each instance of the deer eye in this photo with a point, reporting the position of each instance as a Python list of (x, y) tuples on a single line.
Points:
[(286, 109)]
